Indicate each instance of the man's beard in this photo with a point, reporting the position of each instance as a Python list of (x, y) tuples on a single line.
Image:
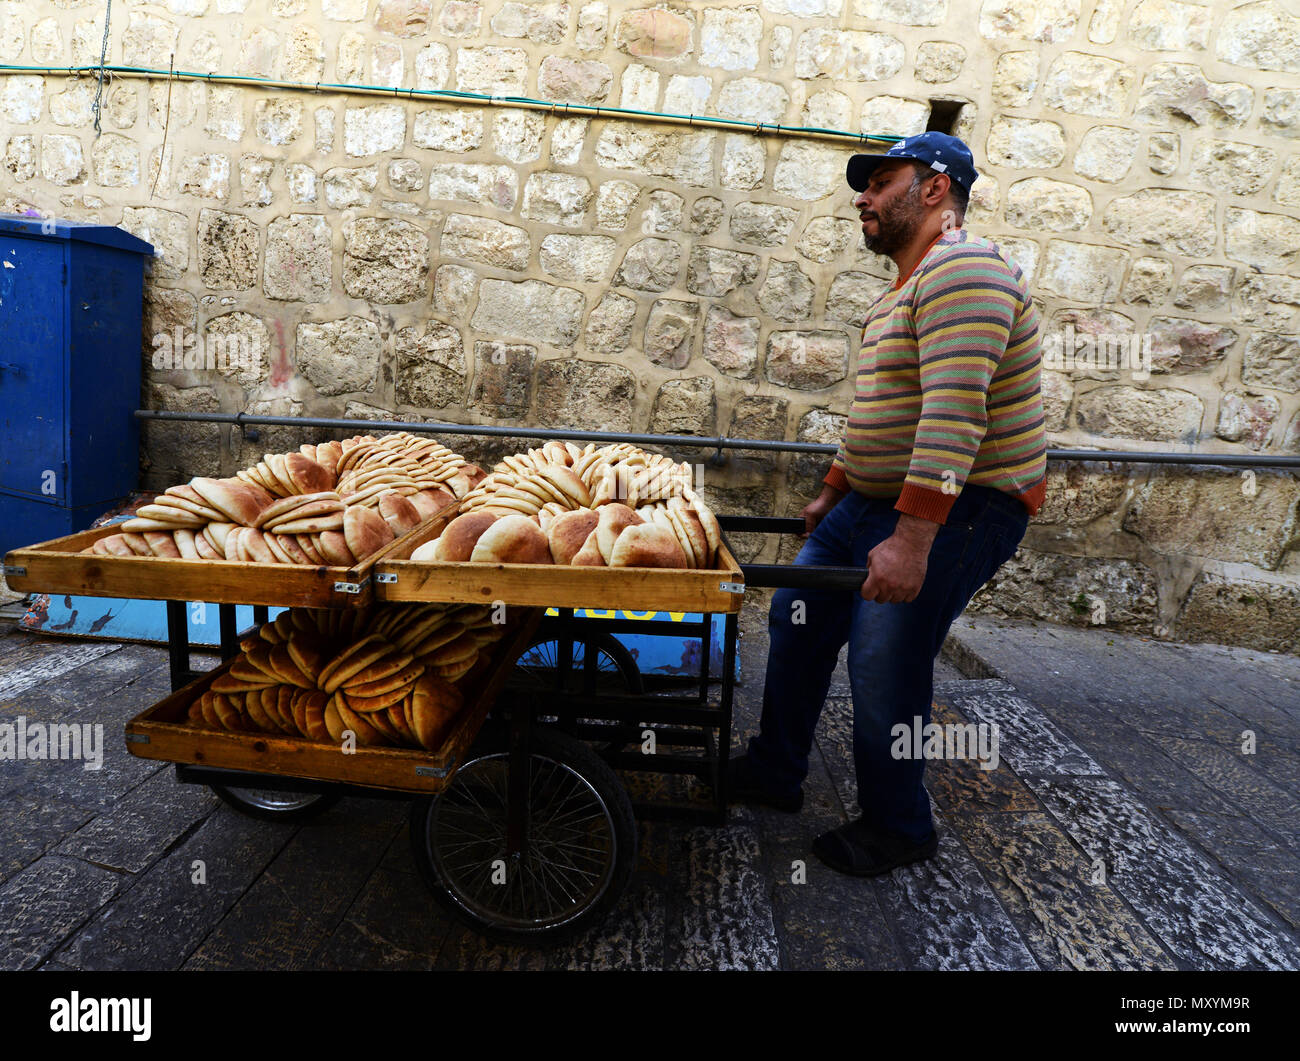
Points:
[(897, 223)]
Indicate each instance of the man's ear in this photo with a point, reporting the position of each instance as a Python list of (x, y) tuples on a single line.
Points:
[(937, 189)]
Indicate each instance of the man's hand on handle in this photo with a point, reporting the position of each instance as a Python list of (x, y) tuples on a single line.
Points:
[(816, 511), (897, 565)]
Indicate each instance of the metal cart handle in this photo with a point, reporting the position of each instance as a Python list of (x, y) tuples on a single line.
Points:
[(790, 576)]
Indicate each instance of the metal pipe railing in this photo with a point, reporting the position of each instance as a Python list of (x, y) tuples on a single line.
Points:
[(719, 442)]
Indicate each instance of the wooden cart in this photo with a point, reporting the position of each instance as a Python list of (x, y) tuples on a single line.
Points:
[(519, 828)]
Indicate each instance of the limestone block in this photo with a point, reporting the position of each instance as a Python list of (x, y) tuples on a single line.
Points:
[(593, 27), (341, 356), (277, 121), (1287, 190), (826, 238), (430, 365), (1169, 26), (405, 175), (847, 55), (1223, 166), (938, 62), (688, 95), (1058, 394), (589, 395), (255, 180), (1022, 253), (1038, 203), (453, 290), (503, 379), (851, 296), (1272, 361), (299, 261), (762, 224), (439, 129), (1163, 219), (1150, 280), (1281, 112), (474, 183), (1262, 36), (229, 246), (168, 231), (387, 65), (1246, 418), (706, 215), (1205, 288), (729, 38), (492, 71), (541, 23), (302, 57), (482, 239), (1268, 302), (1081, 271), (582, 258), (760, 417), (894, 116), (72, 106), (1026, 143), (713, 272), (115, 162), (670, 332), (810, 171), (385, 261), (323, 122), (149, 40), (655, 33), (1056, 588), (557, 199), (787, 292), (461, 18), (350, 187), (648, 150), (1264, 240), (1015, 77), (1259, 615), (566, 80), (744, 162), (1106, 153), (609, 327), (1179, 344), (751, 99), (1149, 415), (685, 407), (731, 342), (1216, 514), (62, 161), (639, 88), (1176, 94), (807, 360), (650, 264), (433, 66), (904, 12), (663, 213), (566, 141), (374, 130), (257, 53), (1080, 493), (238, 345), (1088, 84), (531, 310), (614, 202), (827, 108)]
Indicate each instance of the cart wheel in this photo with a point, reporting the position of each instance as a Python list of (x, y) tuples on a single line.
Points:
[(579, 852), (616, 667), (274, 806)]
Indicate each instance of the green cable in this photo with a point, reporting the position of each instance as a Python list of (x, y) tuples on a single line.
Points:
[(455, 94)]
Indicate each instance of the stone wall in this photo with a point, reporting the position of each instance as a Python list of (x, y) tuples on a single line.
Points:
[(328, 253)]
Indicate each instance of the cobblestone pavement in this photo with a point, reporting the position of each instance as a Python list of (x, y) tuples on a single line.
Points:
[(1124, 827)]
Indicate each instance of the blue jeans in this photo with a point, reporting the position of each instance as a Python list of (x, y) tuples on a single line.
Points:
[(892, 648)]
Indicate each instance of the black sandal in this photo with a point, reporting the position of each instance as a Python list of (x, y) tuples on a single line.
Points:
[(860, 851)]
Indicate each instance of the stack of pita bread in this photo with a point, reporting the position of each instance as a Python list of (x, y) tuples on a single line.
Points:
[(331, 504), (613, 506), (388, 674)]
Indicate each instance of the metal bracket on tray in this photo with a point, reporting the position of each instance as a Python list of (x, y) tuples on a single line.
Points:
[(731, 587), (386, 578), (15, 569), (432, 771), (349, 587)]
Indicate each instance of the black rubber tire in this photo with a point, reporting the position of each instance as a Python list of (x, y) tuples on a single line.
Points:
[(604, 643), (274, 806), (566, 778)]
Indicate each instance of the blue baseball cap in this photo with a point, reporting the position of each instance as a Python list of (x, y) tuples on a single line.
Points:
[(941, 152)]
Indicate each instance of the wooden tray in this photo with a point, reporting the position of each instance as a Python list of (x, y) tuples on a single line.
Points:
[(163, 732), (59, 566), (399, 578)]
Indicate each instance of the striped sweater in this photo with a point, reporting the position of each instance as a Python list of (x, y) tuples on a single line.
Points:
[(947, 385)]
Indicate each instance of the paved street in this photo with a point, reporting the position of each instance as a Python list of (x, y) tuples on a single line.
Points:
[(1123, 828)]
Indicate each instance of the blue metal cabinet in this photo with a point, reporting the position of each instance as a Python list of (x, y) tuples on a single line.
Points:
[(71, 300)]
